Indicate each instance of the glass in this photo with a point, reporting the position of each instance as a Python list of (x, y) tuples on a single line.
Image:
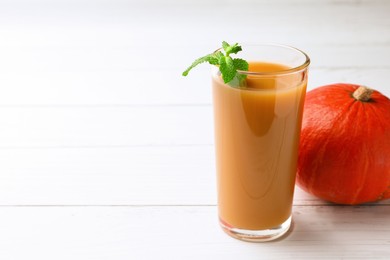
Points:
[(257, 129)]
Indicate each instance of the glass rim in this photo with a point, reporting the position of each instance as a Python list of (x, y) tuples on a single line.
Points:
[(301, 67)]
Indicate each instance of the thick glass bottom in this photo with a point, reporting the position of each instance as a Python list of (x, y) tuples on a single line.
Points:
[(256, 235)]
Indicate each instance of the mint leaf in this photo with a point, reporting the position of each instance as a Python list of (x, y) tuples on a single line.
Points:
[(240, 64), (227, 65), (225, 46), (219, 55), (231, 48), (210, 58), (227, 69)]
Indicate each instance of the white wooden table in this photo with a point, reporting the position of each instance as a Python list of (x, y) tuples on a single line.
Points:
[(106, 152)]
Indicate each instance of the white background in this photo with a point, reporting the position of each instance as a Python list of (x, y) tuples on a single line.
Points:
[(106, 152)]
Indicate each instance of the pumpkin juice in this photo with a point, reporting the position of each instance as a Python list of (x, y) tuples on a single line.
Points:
[(257, 129)]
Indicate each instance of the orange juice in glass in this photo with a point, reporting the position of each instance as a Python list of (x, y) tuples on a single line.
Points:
[(257, 129)]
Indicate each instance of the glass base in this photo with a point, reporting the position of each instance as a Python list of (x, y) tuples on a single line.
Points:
[(257, 235)]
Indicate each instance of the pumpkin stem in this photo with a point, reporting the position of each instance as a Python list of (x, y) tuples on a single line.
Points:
[(362, 93)]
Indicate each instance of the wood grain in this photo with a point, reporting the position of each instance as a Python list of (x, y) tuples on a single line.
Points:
[(162, 87), (320, 232)]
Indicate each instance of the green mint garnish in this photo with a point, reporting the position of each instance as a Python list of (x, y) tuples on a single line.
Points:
[(227, 65)]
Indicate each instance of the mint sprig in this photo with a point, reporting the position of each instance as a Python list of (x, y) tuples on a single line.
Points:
[(227, 65)]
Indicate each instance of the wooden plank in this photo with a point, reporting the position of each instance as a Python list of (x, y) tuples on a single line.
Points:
[(110, 88), (182, 23), (98, 58), (183, 175), (186, 233), (108, 176), (99, 126), (57, 126)]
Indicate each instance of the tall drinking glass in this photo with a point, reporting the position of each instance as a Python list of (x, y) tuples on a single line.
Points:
[(257, 129)]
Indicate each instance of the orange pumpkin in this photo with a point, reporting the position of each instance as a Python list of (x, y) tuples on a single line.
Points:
[(344, 152)]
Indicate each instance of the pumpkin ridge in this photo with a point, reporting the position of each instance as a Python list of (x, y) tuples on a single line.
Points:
[(347, 117), (365, 169), (378, 119), (373, 110), (334, 122), (320, 154)]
